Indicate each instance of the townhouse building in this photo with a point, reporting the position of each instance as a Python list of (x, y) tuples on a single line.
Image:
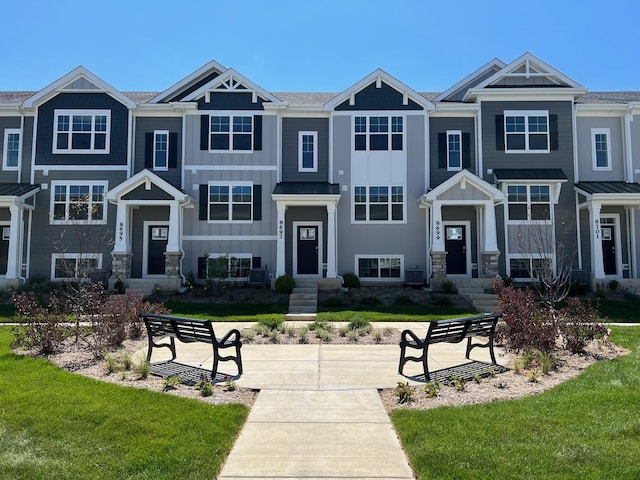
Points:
[(513, 166)]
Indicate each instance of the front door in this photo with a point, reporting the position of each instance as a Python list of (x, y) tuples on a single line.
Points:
[(4, 249), (609, 257), (455, 244), (307, 249), (158, 236)]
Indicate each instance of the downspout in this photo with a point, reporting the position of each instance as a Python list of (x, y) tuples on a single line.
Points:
[(579, 242), (574, 127), (130, 134), (628, 150), (28, 263)]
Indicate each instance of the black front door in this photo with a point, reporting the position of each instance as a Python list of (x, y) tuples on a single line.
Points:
[(158, 237), (456, 246), (4, 249), (609, 250), (307, 250)]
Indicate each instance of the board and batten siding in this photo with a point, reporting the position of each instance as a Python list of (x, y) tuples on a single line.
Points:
[(291, 127), (586, 173), (438, 126), (145, 126)]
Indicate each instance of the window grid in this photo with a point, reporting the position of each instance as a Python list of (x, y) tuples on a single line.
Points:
[(231, 133), (601, 148), (526, 131), (161, 150), (308, 151), (378, 203), (383, 267), (230, 203), (74, 266), (378, 133), (81, 131), (233, 266), (454, 150), (78, 203), (11, 153), (529, 203)]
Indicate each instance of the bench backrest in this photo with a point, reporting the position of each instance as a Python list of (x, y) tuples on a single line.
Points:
[(456, 330), (184, 329)]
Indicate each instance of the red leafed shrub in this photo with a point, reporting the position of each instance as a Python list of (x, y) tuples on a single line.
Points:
[(579, 325), (42, 328)]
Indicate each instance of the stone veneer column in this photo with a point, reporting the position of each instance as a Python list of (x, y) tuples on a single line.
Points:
[(172, 263), (439, 264), (121, 265), (490, 264)]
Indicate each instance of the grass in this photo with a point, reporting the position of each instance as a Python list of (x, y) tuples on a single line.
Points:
[(7, 311), (620, 311), (587, 428), (54, 424), (229, 312)]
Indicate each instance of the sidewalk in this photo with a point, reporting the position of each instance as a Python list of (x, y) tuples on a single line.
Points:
[(318, 414)]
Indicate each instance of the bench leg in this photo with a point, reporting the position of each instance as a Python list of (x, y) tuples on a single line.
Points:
[(402, 360), (425, 365)]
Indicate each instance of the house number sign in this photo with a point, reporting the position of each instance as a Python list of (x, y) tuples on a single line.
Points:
[(438, 230), (596, 230), (121, 231), (281, 229)]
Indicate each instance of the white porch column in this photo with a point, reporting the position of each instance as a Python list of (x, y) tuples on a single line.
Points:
[(597, 263), (13, 262), (121, 244), (490, 231), (280, 247), (173, 242), (438, 228), (331, 241)]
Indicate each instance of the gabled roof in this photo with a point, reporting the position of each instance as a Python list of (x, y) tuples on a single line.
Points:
[(489, 68), (191, 79), (463, 177), (147, 178), (379, 75), (231, 81), (78, 79), (526, 71)]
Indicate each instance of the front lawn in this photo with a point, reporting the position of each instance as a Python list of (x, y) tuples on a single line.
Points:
[(54, 424), (587, 428)]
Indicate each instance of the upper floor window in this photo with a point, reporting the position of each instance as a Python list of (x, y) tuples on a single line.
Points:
[(230, 203), (160, 149), (11, 150), (529, 202), (378, 133), (526, 131), (81, 131), (231, 132), (454, 150), (601, 148), (307, 151), (78, 202), (378, 203)]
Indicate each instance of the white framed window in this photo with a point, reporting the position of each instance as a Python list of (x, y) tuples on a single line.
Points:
[(380, 203), (12, 149), (528, 267), (378, 132), (529, 203), (601, 148), (81, 131), (231, 133), (526, 131), (161, 149), (307, 151), (79, 203), (232, 266), (230, 202), (74, 266), (454, 150), (380, 267)]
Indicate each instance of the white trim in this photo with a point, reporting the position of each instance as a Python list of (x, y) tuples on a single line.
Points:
[(192, 77), (81, 183), (154, 150), (148, 178), (378, 257), (459, 134), (229, 257), (78, 168), (92, 150), (368, 205), (231, 133), (224, 168), (594, 159), (526, 114), (469, 178), (230, 203), (296, 226), (495, 62), (5, 148), (301, 135), (618, 244), (467, 242), (231, 79), (72, 256), (145, 247), (530, 257), (368, 133), (553, 195), (238, 238)]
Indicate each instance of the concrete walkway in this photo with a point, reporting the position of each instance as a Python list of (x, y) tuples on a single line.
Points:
[(318, 414)]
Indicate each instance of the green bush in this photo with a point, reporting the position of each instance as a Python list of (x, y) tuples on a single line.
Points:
[(271, 323), (285, 284), (403, 300), (440, 301), (350, 280), (448, 286), (358, 322), (334, 301), (370, 300)]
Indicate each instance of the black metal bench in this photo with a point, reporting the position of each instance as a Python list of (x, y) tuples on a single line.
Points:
[(189, 330), (449, 331)]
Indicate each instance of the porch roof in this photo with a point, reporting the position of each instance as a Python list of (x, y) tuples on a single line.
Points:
[(592, 188), (306, 188), (17, 189), (502, 174)]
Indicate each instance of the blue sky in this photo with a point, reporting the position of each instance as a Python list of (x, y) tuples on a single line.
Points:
[(324, 45)]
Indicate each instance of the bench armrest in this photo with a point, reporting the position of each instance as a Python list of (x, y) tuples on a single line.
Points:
[(410, 339), (228, 340)]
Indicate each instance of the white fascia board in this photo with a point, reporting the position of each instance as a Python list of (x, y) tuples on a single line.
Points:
[(252, 87), (455, 110), (142, 177), (625, 199), (495, 62), (601, 110), (58, 86), (310, 113), (470, 178), (164, 109), (173, 89), (530, 94), (386, 78), (305, 200)]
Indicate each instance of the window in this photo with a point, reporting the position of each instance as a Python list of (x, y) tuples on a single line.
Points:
[(160, 149), (229, 132), (378, 203), (378, 133), (307, 151), (72, 266), (526, 131), (230, 202), (81, 131), (381, 268), (528, 268), (78, 203), (601, 148), (454, 150), (11, 151), (234, 265), (529, 202)]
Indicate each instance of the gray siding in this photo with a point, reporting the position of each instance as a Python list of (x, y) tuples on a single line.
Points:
[(585, 156), (635, 149), (148, 125), (383, 98), (290, 149), (10, 176), (230, 101), (437, 126)]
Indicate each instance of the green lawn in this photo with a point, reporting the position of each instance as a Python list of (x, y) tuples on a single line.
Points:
[(586, 428), (620, 311), (54, 424)]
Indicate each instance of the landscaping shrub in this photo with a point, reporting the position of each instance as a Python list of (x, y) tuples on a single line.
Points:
[(448, 286), (350, 280), (579, 325), (285, 284), (440, 300), (42, 328), (334, 301), (370, 300), (271, 323), (358, 322), (403, 300)]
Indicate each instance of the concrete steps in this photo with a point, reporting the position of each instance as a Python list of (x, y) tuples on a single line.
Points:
[(303, 302), (475, 290)]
